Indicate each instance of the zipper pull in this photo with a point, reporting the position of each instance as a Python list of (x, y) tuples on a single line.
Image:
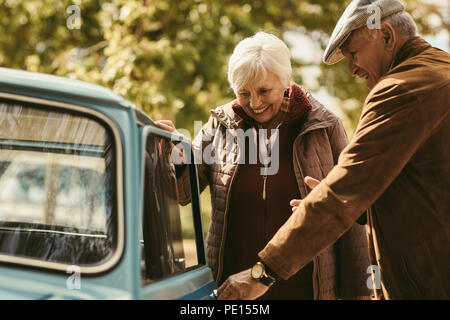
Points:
[(156, 201), (264, 188)]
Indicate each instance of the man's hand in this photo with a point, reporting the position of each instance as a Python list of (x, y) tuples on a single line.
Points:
[(312, 183), (241, 286)]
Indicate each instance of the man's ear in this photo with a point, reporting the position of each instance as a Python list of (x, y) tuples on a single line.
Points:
[(389, 36)]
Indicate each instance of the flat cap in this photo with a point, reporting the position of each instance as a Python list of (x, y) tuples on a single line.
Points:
[(355, 16)]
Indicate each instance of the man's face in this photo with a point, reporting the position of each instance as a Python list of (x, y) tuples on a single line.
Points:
[(261, 98), (366, 56)]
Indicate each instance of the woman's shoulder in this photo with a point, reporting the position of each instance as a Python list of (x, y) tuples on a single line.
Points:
[(223, 110), (224, 114), (320, 116)]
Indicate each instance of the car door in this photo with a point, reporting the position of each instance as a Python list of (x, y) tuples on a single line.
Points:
[(173, 263)]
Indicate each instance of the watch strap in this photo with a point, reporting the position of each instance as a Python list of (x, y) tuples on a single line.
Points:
[(267, 281), (266, 278), (269, 271)]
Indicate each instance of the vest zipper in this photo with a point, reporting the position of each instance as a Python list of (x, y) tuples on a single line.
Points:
[(264, 187), (269, 154)]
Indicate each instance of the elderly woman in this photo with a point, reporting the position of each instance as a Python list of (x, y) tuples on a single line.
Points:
[(251, 199)]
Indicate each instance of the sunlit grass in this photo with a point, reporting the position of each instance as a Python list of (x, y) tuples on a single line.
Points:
[(186, 216)]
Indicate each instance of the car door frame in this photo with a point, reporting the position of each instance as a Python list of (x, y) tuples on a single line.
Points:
[(179, 286)]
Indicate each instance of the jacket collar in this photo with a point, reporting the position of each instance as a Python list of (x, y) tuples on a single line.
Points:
[(410, 48)]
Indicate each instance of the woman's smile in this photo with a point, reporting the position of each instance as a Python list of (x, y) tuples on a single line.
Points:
[(261, 110)]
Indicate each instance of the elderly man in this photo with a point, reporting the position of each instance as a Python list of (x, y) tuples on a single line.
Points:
[(397, 166)]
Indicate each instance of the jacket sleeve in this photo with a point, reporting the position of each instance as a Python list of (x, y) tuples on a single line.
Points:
[(393, 125), (198, 145), (352, 254)]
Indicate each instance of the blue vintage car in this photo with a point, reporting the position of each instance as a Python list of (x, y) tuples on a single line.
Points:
[(88, 198)]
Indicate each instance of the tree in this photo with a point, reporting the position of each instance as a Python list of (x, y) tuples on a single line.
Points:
[(167, 57)]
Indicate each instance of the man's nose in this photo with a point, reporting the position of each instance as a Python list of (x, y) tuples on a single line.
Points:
[(352, 68)]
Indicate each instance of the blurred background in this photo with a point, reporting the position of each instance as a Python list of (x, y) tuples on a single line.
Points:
[(170, 57)]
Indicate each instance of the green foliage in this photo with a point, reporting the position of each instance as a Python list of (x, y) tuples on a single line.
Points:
[(167, 57), (170, 57)]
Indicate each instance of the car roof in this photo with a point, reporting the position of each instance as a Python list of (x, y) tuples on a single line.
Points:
[(46, 86)]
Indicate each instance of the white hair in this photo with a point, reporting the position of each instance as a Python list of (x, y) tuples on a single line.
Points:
[(403, 23), (254, 56)]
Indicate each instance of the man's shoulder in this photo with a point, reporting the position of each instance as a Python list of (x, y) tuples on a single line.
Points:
[(419, 75)]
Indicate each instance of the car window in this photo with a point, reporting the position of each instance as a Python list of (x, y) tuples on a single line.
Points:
[(56, 185), (169, 241)]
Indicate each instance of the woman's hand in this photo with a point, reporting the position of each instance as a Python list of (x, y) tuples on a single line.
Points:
[(178, 152), (312, 183), (167, 125)]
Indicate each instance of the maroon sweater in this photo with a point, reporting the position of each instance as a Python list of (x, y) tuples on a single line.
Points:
[(252, 221)]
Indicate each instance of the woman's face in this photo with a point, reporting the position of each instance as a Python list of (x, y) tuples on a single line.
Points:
[(261, 98)]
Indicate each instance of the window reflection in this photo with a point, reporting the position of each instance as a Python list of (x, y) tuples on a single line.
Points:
[(56, 186), (168, 232)]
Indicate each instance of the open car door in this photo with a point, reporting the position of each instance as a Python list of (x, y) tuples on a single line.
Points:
[(173, 263)]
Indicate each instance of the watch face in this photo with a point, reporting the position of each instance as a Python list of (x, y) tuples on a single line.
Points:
[(257, 271)]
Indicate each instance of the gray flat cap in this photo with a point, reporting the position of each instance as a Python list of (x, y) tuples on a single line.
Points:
[(355, 16)]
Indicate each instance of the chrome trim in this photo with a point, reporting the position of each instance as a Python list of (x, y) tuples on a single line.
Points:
[(115, 257), (54, 231)]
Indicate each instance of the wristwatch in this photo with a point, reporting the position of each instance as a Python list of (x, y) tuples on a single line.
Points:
[(260, 273)]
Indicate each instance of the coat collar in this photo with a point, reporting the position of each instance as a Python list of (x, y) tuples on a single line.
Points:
[(410, 48)]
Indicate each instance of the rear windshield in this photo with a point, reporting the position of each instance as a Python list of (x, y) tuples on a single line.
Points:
[(56, 185)]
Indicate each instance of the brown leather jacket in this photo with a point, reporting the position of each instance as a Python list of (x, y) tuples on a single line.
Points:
[(399, 161), (340, 271)]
